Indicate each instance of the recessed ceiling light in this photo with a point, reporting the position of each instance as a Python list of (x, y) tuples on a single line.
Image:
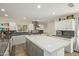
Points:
[(5, 15), (24, 17), (38, 6), (53, 13), (3, 10)]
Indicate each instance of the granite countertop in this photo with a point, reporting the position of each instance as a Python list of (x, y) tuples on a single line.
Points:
[(3, 47), (47, 43)]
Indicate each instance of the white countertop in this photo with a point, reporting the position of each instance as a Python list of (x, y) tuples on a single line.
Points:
[(18, 39), (47, 43)]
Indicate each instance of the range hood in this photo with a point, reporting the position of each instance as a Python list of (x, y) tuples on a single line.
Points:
[(35, 24)]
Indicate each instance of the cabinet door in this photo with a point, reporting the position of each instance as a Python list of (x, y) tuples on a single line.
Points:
[(62, 25), (68, 25), (7, 51), (33, 50), (37, 51), (27, 46), (30, 48), (65, 25), (73, 25), (57, 25)]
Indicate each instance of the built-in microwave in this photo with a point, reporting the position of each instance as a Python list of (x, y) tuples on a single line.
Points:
[(65, 33), (59, 33)]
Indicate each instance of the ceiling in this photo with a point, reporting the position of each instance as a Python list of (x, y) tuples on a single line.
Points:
[(47, 11)]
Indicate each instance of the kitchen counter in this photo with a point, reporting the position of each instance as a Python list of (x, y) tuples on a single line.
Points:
[(19, 33), (19, 39), (48, 44)]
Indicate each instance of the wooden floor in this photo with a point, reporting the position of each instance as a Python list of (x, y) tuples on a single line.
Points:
[(20, 50), (72, 54)]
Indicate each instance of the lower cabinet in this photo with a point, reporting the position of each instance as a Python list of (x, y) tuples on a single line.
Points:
[(7, 51), (59, 52), (33, 50), (70, 47)]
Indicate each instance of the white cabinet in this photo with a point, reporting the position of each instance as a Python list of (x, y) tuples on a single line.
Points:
[(69, 48), (65, 24), (59, 52), (59, 25), (33, 49)]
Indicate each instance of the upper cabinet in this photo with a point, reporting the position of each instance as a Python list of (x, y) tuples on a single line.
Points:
[(65, 24)]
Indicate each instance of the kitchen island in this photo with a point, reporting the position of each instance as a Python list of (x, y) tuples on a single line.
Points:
[(41, 45)]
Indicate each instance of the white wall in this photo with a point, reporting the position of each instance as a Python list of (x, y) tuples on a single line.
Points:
[(4, 20), (51, 28), (17, 22)]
